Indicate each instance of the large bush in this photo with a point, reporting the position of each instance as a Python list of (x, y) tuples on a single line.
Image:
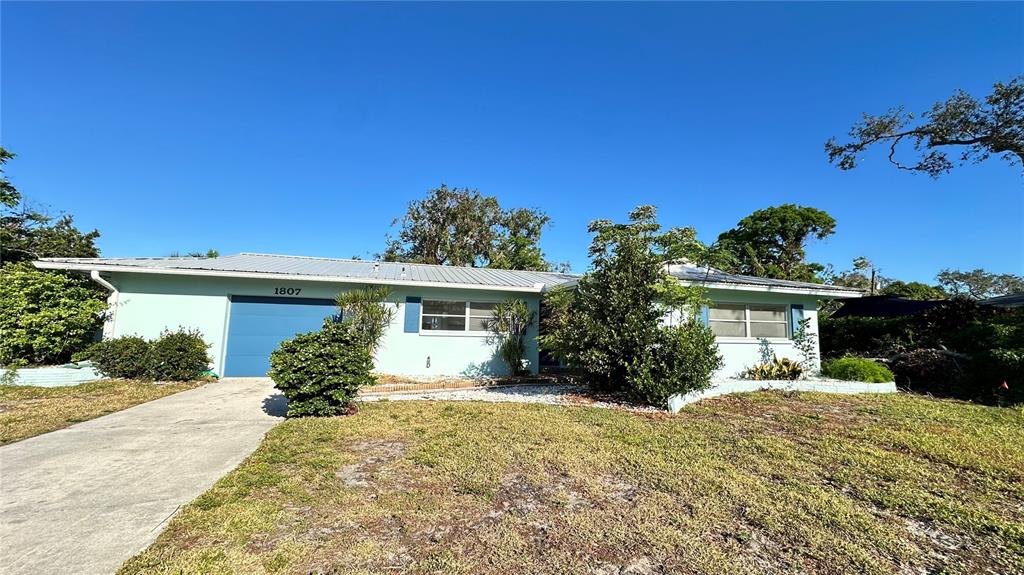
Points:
[(959, 349), (174, 356), (681, 360), (321, 372), (177, 356), (609, 327), (45, 317), (121, 357), (857, 369)]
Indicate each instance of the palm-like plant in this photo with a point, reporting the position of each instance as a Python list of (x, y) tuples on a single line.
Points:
[(366, 311), (508, 326)]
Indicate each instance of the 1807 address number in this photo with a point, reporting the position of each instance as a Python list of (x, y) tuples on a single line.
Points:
[(287, 291)]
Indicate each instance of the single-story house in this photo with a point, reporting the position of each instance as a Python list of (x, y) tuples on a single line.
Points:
[(246, 304)]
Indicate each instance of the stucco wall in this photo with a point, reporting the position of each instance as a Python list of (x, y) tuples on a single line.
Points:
[(148, 304)]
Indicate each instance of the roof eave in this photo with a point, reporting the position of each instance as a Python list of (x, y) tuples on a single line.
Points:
[(88, 267)]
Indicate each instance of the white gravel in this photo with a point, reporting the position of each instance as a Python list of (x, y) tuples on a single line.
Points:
[(548, 394)]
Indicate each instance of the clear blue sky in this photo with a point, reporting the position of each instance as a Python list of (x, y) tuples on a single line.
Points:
[(305, 128)]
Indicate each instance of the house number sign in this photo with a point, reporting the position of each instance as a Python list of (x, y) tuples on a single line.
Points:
[(287, 291)]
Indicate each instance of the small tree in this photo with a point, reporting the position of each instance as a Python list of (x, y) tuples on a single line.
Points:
[(367, 313), (806, 343), (512, 318), (610, 326)]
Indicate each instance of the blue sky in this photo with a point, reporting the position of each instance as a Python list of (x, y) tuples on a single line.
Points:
[(305, 128)]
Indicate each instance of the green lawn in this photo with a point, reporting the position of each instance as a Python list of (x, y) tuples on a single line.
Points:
[(26, 411), (758, 483)]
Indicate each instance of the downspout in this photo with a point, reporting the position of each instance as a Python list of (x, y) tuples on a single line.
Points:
[(108, 323)]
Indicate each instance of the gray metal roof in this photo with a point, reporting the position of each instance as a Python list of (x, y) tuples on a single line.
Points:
[(390, 272), (399, 273), (713, 276)]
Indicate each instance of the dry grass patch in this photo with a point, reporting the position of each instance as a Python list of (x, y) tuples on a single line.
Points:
[(26, 411), (765, 483)]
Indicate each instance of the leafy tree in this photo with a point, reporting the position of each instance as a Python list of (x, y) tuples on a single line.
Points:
[(461, 227), (913, 290), (979, 284), (27, 233), (610, 325), (46, 316), (9, 195), (980, 130), (770, 242), (517, 245)]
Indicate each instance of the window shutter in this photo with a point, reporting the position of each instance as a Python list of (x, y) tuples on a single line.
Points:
[(797, 315), (705, 315), (412, 314)]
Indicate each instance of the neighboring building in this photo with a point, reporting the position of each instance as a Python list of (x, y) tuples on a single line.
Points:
[(1008, 300), (246, 304), (885, 306)]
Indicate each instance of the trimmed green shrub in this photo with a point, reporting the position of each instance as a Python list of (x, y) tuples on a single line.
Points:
[(776, 369), (122, 358), (682, 360), (851, 368), (45, 317), (177, 356), (321, 372)]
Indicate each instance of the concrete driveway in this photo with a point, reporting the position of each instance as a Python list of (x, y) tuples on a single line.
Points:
[(84, 499)]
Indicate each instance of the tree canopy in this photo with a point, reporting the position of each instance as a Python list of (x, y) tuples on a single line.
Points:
[(770, 242), (460, 227), (28, 233), (978, 129), (979, 284)]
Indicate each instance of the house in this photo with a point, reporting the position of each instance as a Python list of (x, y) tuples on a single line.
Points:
[(246, 304)]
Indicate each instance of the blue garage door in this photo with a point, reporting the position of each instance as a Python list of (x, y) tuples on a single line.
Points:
[(258, 324)]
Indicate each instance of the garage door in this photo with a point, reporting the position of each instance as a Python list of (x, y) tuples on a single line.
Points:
[(257, 325)]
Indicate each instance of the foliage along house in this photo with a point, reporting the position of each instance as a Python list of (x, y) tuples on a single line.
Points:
[(245, 305)]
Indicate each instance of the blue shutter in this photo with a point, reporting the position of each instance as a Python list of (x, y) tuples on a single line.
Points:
[(796, 316), (705, 315), (412, 314)]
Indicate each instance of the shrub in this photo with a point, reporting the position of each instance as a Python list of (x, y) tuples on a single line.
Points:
[(46, 316), (682, 360), (122, 358), (931, 371), (321, 372), (507, 330), (177, 356), (776, 369), (851, 368)]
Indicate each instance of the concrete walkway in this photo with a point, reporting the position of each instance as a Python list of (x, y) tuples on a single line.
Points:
[(84, 499)]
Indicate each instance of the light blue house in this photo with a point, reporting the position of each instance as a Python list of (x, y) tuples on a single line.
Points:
[(246, 304)]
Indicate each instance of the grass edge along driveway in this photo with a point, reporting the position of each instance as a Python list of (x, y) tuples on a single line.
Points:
[(764, 482), (27, 411)]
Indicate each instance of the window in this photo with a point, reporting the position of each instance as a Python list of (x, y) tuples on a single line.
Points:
[(444, 315), (748, 320)]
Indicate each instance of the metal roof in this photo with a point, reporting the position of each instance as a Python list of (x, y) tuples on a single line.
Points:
[(714, 277), (321, 268), (397, 273)]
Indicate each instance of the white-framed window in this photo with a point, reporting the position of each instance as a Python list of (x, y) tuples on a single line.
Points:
[(456, 315), (749, 320)]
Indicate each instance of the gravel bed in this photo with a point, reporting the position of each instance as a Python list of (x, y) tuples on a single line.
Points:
[(548, 394)]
